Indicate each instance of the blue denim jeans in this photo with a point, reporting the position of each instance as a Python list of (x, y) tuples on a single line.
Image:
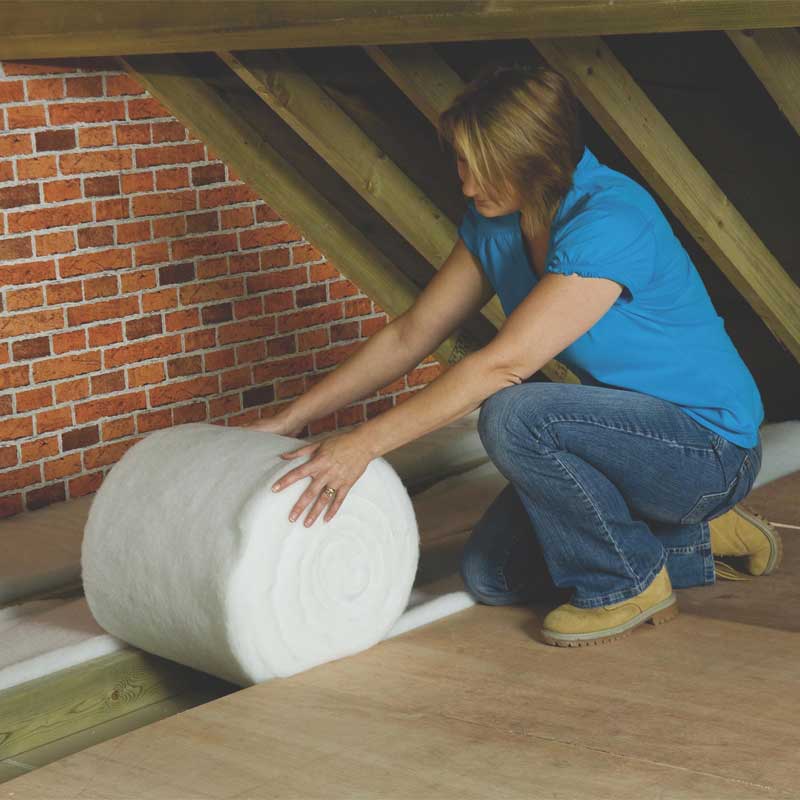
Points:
[(606, 485)]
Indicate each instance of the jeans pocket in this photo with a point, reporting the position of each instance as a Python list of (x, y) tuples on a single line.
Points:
[(705, 506)]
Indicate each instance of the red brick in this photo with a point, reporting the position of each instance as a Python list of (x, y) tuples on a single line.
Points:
[(303, 253), (19, 299), (27, 116), (172, 178), (135, 182), (105, 286), (20, 478), (372, 325), (59, 191), (69, 341), (309, 317), (27, 272), (96, 236), (106, 309), (10, 505), (154, 253), (275, 302), (203, 222), (147, 108), (252, 307), (248, 329), (99, 261), (183, 366), (143, 326), (160, 301), (211, 267), (311, 295), (97, 111), (96, 136), (335, 355), (12, 248), (31, 348), (151, 422), (16, 144), (211, 290), (51, 369), (192, 412), (199, 340), (181, 320), (39, 167), (128, 232), (184, 390), (142, 351), (118, 208), (137, 280), (323, 271), (117, 428), (169, 154), (64, 292), (265, 237), (55, 139), (23, 194), (85, 484), (113, 406), (8, 458), (14, 92), (32, 322), (107, 453), (308, 340), (67, 391), (85, 86), (225, 196), (54, 420), (11, 377), (107, 382), (122, 84), (103, 186), (35, 398), (171, 131), (56, 217), (169, 227), (15, 427), (46, 89), (164, 203), (357, 307), (237, 217), (62, 467), (101, 335), (147, 373), (136, 133), (244, 262), (96, 161), (204, 245), (287, 367), (6, 171), (208, 173), (60, 242)]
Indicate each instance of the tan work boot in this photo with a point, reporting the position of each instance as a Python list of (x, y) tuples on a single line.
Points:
[(744, 533), (570, 626)]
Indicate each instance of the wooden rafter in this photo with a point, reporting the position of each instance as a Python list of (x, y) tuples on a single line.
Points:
[(431, 85), (211, 116), (57, 28), (774, 56), (614, 99)]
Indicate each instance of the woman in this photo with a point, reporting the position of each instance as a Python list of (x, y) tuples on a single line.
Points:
[(612, 482)]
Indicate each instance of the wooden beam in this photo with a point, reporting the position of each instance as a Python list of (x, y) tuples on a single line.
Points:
[(194, 100), (55, 28), (88, 694), (774, 56), (314, 116), (431, 85), (625, 112)]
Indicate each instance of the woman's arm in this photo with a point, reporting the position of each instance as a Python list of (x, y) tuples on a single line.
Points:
[(558, 310), (456, 291)]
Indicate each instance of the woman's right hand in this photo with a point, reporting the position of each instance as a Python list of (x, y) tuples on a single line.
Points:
[(280, 424)]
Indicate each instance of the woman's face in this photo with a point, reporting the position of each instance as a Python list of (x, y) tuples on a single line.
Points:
[(487, 206)]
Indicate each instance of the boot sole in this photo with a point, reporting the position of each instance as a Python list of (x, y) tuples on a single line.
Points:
[(776, 545), (658, 614)]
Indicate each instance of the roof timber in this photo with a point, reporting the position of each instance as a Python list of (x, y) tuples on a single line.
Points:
[(55, 28), (280, 83), (614, 99), (774, 56), (215, 117)]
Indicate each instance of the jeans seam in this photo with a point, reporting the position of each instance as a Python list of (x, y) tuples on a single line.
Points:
[(609, 536), (600, 424)]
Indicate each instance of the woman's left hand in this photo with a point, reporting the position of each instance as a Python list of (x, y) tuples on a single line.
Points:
[(337, 462)]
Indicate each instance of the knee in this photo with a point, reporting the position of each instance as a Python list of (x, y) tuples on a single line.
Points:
[(493, 422)]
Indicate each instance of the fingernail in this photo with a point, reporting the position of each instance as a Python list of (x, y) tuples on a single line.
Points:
[(275, 488), (293, 517)]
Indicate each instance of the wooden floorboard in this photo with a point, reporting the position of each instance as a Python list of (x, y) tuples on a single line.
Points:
[(476, 705)]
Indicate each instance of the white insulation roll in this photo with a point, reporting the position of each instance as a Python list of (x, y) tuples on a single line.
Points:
[(189, 554)]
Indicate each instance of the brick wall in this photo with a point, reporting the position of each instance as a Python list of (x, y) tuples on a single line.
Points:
[(144, 285)]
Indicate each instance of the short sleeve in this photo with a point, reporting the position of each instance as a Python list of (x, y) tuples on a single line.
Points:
[(616, 243), (469, 229)]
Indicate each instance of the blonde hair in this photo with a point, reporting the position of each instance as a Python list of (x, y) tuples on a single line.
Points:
[(518, 129)]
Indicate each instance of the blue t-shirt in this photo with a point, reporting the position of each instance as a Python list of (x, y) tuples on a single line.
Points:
[(662, 336)]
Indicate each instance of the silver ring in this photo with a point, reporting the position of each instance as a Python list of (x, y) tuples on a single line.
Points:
[(328, 491)]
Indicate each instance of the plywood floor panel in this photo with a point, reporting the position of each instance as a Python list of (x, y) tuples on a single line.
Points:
[(476, 706)]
